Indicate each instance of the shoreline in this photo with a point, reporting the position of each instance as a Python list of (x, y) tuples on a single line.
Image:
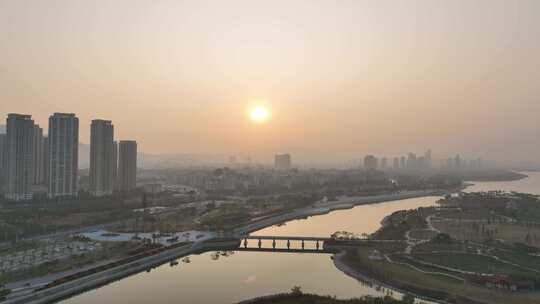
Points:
[(353, 273), (100, 279), (518, 175), (344, 203), (343, 266)]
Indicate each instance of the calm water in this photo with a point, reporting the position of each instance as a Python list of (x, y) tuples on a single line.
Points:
[(527, 185), (246, 275)]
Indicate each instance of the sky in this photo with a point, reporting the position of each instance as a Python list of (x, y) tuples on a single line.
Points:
[(341, 78)]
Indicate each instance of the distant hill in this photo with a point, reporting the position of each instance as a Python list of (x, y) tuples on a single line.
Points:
[(157, 161), (162, 161), (154, 161)]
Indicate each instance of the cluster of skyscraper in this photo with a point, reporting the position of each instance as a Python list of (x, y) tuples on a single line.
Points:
[(113, 166), (424, 162), (33, 163), (457, 163), (412, 161)]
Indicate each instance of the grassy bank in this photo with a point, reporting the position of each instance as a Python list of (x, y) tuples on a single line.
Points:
[(477, 248), (434, 286), (297, 297)]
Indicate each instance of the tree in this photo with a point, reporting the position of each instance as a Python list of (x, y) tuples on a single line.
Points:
[(407, 298), (296, 290), (442, 238)]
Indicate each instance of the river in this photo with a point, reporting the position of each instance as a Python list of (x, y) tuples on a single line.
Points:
[(245, 275)]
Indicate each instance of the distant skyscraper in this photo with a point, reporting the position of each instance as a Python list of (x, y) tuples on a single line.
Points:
[(478, 164), (38, 177), (450, 163), (46, 160), (20, 141), (396, 163), (370, 162), (421, 162), (3, 146), (412, 161), (115, 165), (403, 162), (428, 160), (63, 155), (384, 163), (127, 165), (282, 162), (457, 162), (101, 157)]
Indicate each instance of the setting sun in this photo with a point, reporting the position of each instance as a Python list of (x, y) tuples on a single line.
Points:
[(259, 114)]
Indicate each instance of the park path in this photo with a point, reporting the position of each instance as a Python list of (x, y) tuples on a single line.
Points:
[(412, 242)]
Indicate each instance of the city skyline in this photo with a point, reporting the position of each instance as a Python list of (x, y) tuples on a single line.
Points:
[(440, 161), (269, 159), (248, 151), (465, 77), (387, 160)]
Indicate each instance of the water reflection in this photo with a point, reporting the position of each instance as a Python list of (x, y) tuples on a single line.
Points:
[(362, 219), (228, 278), (527, 185)]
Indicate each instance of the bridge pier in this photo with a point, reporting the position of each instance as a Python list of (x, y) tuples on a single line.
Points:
[(317, 245), (288, 244), (302, 244), (260, 243), (274, 243), (245, 243)]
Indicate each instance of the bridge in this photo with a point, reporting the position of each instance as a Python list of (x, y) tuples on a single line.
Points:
[(292, 244), (301, 244)]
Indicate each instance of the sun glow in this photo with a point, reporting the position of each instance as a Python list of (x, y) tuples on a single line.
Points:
[(259, 114)]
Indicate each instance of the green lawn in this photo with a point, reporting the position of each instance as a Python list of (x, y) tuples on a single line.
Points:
[(409, 279), (402, 258), (472, 263), (520, 258)]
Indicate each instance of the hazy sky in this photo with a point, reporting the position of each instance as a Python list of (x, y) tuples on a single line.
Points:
[(341, 78)]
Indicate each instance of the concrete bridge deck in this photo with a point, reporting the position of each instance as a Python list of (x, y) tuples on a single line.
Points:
[(286, 238), (315, 239), (290, 250)]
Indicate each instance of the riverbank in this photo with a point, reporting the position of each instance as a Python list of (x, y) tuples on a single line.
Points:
[(296, 297), (437, 288), (93, 280), (462, 263), (341, 203), (320, 208), (405, 279), (343, 266), (494, 176)]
